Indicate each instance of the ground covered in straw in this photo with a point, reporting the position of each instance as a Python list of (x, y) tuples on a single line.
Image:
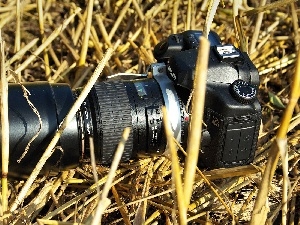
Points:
[(143, 191)]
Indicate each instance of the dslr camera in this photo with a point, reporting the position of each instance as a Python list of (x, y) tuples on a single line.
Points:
[(232, 112)]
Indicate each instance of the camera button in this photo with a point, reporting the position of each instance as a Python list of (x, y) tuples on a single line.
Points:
[(243, 91)]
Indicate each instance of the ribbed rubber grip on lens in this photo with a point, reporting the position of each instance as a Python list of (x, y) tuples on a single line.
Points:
[(113, 115)]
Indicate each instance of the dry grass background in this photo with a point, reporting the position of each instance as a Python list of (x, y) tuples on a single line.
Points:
[(55, 41)]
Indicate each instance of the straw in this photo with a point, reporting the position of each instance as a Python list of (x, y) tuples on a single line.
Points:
[(189, 15), (4, 128), (196, 118), (87, 31), (104, 200), (264, 8), (182, 208), (21, 52), (119, 19), (18, 29), (123, 209), (211, 11), (174, 16), (54, 34), (257, 28), (43, 37), (295, 26), (259, 214)]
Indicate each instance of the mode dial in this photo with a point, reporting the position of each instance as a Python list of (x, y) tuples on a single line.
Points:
[(243, 91)]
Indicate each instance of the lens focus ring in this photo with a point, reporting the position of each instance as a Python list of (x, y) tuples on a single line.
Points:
[(112, 115)]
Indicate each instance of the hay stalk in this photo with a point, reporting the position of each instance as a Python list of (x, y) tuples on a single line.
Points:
[(196, 121), (4, 129), (259, 214)]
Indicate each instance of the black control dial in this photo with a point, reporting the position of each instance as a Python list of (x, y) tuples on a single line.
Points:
[(243, 91)]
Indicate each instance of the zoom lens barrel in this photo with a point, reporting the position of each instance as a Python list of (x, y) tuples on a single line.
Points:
[(109, 108)]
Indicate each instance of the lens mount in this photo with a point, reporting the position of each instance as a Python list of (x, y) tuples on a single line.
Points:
[(170, 97)]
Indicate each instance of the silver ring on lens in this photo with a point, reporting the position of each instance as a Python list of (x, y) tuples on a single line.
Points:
[(169, 93)]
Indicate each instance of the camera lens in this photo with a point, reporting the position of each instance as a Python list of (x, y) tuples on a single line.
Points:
[(109, 108)]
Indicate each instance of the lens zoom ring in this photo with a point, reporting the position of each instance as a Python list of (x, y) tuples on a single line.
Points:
[(113, 115)]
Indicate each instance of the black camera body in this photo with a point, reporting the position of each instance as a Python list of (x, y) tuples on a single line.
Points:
[(232, 111)]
